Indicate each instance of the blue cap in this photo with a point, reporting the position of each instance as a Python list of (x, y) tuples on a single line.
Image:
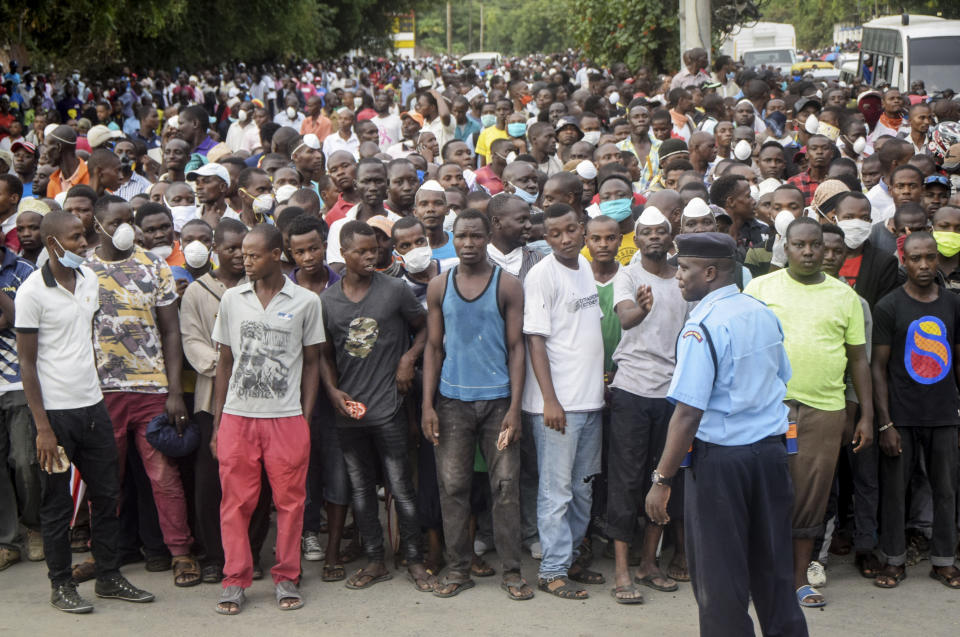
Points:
[(163, 437), (777, 123), (706, 245), (937, 179)]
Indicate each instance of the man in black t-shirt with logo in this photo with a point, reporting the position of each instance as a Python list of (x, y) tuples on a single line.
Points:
[(915, 383)]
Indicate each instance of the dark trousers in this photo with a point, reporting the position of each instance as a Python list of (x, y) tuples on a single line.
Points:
[(529, 486), (738, 536), (86, 435), (207, 497), (139, 521), (462, 426), (361, 447), (938, 447), (18, 451)]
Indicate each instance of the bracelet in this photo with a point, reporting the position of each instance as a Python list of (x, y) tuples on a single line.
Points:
[(885, 427)]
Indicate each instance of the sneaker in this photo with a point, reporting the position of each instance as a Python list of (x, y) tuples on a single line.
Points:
[(310, 547), (480, 547), (816, 574), (34, 546), (117, 587), (536, 550), (66, 598)]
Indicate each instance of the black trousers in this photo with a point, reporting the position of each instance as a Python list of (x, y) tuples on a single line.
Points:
[(86, 435), (739, 542)]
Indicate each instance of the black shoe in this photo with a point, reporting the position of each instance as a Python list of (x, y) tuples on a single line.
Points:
[(117, 587), (66, 598)]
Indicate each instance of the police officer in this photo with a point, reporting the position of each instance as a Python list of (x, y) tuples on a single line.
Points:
[(728, 389)]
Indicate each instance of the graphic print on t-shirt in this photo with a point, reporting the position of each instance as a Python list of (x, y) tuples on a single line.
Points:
[(260, 372), (926, 353), (362, 336)]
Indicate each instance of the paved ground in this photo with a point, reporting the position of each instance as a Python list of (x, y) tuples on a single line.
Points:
[(920, 606)]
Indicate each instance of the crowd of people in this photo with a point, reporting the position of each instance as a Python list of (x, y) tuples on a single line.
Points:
[(506, 301)]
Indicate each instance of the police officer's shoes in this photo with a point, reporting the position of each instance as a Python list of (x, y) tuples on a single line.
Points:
[(117, 587), (66, 598)]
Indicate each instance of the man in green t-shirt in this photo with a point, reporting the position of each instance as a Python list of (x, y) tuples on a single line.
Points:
[(603, 242), (823, 333)]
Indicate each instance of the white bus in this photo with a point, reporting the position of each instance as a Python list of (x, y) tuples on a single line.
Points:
[(899, 50)]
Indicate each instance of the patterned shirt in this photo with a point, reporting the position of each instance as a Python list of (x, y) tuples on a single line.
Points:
[(806, 185), (127, 340), (13, 272)]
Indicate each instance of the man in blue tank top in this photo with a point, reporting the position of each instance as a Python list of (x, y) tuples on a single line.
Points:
[(477, 309)]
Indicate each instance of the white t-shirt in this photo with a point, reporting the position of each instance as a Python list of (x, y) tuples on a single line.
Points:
[(646, 355), (389, 128), (562, 305), (63, 322), (333, 236), (443, 133), (881, 203)]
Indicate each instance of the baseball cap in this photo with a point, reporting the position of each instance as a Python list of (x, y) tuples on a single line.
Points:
[(415, 116), (937, 180), (22, 143), (804, 102), (210, 169), (565, 121), (99, 135)]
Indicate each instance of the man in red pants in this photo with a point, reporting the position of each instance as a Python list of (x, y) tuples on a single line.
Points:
[(269, 331)]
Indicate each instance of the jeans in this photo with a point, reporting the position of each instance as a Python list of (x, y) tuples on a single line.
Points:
[(86, 436), (938, 446), (18, 451), (462, 426), (361, 448), (567, 463)]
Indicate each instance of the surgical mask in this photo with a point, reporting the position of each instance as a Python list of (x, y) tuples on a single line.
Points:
[(517, 129), (526, 196), (291, 112), (488, 120), (196, 254), (858, 145), (948, 243), (591, 137), (262, 204), (123, 237), (162, 251), (357, 103), (742, 150), (855, 232), (417, 260), (182, 214), (812, 124), (782, 221), (616, 209), (755, 191), (68, 259), (242, 116)]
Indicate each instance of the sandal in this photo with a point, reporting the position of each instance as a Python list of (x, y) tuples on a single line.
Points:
[(805, 592), (890, 576), (424, 583), (480, 568), (84, 571), (355, 583), (333, 573), (650, 581), (517, 589), (561, 587), (580, 573), (678, 572), (287, 590), (231, 595), (868, 565), (451, 586), (186, 571), (628, 594), (211, 574), (950, 581)]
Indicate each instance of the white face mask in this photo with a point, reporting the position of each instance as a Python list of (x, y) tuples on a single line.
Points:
[(291, 112), (855, 232), (263, 204), (357, 103), (859, 144), (123, 237), (591, 137), (811, 124), (182, 214), (755, 192), (742, 150), (162, 251), (782, 221), (242, 116), (418, 259), (196, 254)]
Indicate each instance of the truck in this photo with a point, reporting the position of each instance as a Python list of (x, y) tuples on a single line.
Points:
[(770, 44)]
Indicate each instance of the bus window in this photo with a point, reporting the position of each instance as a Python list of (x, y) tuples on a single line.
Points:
[(934, 61)]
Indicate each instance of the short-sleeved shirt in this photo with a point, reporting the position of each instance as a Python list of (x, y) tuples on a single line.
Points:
[(13, 272), (369, 337), (731, 363), (267, 346), (334, 254), (646, 355), (562, 305), (819, 321), (486, 137), (63, 323), (127, 344), (922, 387), (609, 324)]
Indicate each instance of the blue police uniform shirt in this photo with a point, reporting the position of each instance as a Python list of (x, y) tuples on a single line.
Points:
[(741, 394)]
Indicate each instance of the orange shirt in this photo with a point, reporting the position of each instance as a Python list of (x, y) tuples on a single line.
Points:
[(176, 257), (58, 184), (321, 127)]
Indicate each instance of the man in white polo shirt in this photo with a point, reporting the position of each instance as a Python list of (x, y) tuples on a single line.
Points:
[(54, 323), (269, 331)]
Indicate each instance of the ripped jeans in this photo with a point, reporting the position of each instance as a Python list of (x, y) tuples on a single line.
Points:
[(567, 463), (464, 426)]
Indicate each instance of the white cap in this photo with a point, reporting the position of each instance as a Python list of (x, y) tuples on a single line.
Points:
[(310, 141), (285, 191), (432, 185), (210, 169), (174, 122), (472, 93), (99, 135), (425, 83), (586, 169), (49, 128), (156, 154), (767, 186), (651, 216), (696, 208)]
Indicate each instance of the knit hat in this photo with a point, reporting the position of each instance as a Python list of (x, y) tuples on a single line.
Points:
[(825, 196), (670, 148)]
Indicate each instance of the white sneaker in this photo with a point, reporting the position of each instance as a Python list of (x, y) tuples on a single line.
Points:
[(817, 574), (536, 550), (311, 548), (480, 547)]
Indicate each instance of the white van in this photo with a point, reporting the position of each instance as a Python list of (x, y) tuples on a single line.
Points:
[(769, 44), (904, 49)]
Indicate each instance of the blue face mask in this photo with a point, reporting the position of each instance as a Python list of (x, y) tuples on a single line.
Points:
[(731, 75), (69, 259), (420, 175), (488, 120), (526, 196), (517, 129), (616, 209)]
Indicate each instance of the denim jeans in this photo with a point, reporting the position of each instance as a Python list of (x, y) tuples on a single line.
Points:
[(18, 451), (361, 448), (567, 462)]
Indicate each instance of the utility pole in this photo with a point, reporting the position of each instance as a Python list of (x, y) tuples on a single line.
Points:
[(481, 26), (449, 30), (695, 26)]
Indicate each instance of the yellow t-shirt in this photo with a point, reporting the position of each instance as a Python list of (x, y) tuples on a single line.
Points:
[(486, 137), (628, 247)]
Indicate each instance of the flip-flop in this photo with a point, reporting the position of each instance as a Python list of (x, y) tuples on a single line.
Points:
[(288, 590), (333, 573), (517, 597), (806, 591), (628, 588), (458, 587), (231, 595), (946, 579), (648, 581), (352, 582), (897, 577)]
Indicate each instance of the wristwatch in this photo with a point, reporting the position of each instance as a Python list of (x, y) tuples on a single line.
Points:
[(658, 478)]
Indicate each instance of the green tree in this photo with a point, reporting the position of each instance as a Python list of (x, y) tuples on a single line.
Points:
[(632, 31)]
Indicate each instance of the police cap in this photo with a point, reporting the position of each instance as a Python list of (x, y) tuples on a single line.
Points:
[(706, 245)]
